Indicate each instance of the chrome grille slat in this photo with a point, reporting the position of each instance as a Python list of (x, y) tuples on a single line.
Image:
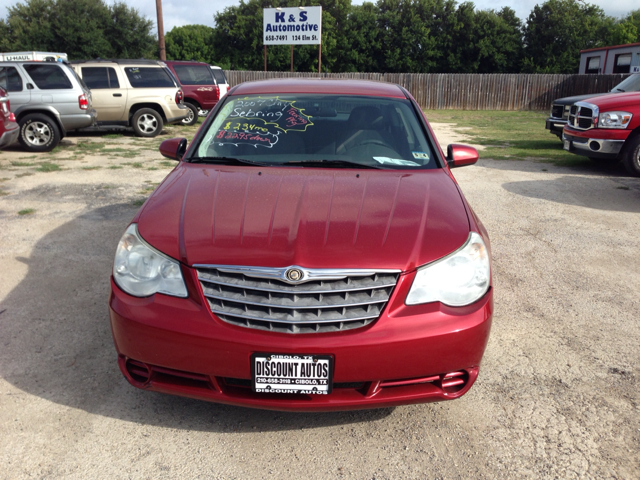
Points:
[(251, 284), (337, 301)]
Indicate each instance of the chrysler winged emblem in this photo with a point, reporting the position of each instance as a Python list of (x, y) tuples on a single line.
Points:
[(293, 274)]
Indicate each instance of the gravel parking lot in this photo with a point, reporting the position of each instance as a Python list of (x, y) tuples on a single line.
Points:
[(558, 394)]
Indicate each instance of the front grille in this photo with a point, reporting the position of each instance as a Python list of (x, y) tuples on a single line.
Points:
[(316, 306), (581, 117), (557, 111)]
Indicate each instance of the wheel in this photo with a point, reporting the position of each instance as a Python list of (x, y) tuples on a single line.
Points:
[(38, 133), (193, 114), (632, 156), (146, 122)]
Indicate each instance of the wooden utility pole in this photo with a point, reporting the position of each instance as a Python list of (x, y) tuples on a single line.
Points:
[(163, 53)]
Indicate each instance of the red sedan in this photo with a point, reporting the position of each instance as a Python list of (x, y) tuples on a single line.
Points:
[(311, 251), (9, 129)]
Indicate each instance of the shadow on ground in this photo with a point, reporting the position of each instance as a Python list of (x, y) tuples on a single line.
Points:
[(57, 345), (618, 194)]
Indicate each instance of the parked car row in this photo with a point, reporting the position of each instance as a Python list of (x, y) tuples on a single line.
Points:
[(51, 98), (602, 126)]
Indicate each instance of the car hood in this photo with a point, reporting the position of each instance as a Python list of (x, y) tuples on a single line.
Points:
[(578, 98), (311, 217), (620, 101)]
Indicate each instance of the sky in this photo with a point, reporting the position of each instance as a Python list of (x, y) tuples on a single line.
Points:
[(181, 12)]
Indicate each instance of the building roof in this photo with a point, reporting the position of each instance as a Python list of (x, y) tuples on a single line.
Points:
[(610, 48)]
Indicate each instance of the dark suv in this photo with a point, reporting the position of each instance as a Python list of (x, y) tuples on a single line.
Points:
[(200, 88)]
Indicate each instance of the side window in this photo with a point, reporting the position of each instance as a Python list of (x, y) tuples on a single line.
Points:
[(622, 63), (593, 65), (95, 77), (48, 77), (194, 74), (113, 78), (10, 79), (219, 75), (145, 77)]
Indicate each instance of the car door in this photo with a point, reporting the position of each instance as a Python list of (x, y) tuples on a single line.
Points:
[(12, 81), (108, 97)]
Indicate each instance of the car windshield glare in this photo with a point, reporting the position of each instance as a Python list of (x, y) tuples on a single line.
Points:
[(629, 84), (318, 131)]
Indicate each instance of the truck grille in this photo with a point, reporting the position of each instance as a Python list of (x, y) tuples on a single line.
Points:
[(325, 301), (557, 111), (581, 117)]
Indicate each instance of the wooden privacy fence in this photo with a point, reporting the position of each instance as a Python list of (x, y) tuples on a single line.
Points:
[(461, 91)]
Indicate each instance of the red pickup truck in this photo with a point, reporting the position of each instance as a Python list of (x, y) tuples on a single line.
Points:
[(200, 88), (606, 127)]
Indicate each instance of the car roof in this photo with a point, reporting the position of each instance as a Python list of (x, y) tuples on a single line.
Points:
[(184, 62), (119, 61), (321, 86)]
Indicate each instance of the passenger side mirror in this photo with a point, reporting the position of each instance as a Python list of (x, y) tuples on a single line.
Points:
[(174, 148), (461, 155)]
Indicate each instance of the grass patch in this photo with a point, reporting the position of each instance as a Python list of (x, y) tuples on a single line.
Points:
[(48, 167), (114, 167), (166, 163), (88, 146), (153, 168), (138, 203), (623, 188), (5, 179), (3, 193), (22, 164), (91, 168), (25, 174), (31, 157), (113, 135), (509, 135), (136, 165), (27, 211)]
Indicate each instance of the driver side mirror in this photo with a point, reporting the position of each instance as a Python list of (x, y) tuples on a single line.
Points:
[(461, 155), (174, 148)]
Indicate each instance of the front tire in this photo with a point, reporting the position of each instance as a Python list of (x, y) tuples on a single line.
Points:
[(146, 122), (38, 133), (632, 156), (193, 114)]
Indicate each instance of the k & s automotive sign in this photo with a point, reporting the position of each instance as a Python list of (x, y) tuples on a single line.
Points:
[(292, 26)]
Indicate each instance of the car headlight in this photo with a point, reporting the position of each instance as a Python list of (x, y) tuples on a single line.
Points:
[(141, 270), (614, 119), (458, 279)]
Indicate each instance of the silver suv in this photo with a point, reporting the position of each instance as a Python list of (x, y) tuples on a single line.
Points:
[(48, 100)]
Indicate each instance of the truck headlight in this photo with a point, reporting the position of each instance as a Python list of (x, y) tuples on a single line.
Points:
[(141, 270), (614, 119), (458, 279)]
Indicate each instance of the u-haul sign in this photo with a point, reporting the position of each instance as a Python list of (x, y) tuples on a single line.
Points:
[(292, 26)]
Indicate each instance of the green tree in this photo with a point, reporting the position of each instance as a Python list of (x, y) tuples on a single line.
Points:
[(498, 37), (360, 41), (634, 17), (80, 28), (557, 30), (190, 42)]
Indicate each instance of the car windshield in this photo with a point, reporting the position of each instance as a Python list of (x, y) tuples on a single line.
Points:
[(629, 84), (318, 131)]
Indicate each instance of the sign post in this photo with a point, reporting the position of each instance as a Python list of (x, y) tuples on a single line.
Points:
[(292, 26)]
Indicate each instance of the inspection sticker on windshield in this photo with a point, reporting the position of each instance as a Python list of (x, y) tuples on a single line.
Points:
[(297, 374), (420, 155)]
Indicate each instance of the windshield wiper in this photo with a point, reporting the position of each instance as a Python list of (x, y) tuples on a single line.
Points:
[(620, 90), (330, 163), (228, 161)]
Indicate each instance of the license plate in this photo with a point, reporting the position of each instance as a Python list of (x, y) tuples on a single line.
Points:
[(297, 374), (567, 145)]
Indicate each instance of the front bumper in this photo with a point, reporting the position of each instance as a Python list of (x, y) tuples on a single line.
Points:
[(595, 143), (555, 125), (10, 136), (409, 355)]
